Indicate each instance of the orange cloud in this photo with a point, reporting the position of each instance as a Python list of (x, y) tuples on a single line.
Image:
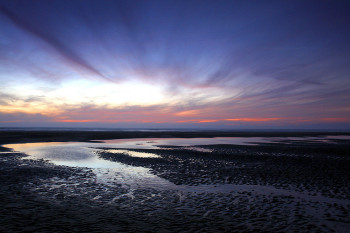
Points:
[(253, 119), (205, 121), (187, 113), (184, 121), (77, 121), (197, 121)]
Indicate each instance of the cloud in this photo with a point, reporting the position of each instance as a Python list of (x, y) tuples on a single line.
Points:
[(210, 62), (23, 117), (60, 47)]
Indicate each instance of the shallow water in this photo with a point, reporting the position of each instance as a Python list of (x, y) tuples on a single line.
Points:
[(76, 154), (135, 192), (84, 154), (133, 153), (152, 143)]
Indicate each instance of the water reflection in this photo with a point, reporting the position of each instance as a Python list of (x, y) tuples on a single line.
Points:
[(84, 154), (60, 153), (76, 154), (133, 153), (153, 143)]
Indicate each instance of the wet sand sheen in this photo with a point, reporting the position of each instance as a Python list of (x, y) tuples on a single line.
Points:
[(198, 184), (84, 154), (133, 153)]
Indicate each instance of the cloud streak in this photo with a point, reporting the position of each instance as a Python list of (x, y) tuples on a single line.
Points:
[(60, 47), (227, 63)]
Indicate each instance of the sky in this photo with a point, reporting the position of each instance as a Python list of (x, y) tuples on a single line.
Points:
[(175, 64)]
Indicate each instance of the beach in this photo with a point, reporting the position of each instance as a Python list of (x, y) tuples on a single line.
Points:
[(283, 182)]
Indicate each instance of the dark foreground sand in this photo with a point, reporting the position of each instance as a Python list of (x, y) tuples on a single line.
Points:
[(284, 187)]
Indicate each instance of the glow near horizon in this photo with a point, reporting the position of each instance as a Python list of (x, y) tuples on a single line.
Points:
[(77, 92), (212, 68)]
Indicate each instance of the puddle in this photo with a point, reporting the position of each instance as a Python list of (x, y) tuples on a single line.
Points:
[(153, 143), (198, 149), (190, 143), (76, 154), (84, 154), (133, 153)]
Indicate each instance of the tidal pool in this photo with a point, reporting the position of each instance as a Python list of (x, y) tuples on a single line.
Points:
[(84, 154), (133, 153), (77, 154), (178, 187)]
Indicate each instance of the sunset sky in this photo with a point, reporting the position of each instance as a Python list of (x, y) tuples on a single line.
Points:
[(175, 64)]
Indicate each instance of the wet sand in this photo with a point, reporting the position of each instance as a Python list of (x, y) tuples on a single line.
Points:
[(18, 136), (289, 186)]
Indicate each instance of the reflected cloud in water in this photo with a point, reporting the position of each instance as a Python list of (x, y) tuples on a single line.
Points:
[(133, 153), (85, 154)]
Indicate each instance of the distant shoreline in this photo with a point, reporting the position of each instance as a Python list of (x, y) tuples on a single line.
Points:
[(41, 135)]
